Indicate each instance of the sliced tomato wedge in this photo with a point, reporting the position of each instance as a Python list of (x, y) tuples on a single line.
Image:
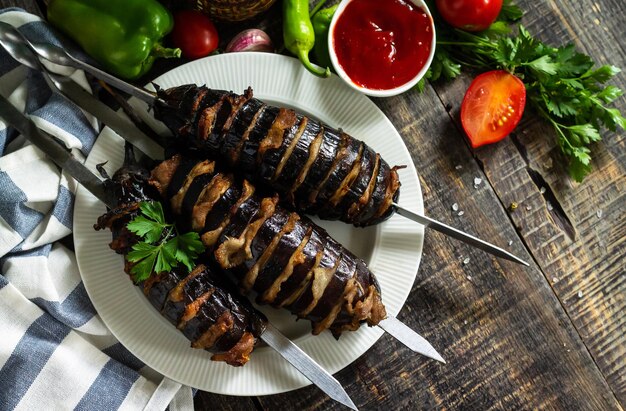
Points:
[(493, 105)]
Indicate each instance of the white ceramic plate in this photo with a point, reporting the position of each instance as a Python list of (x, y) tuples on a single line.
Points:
[(392, 249)]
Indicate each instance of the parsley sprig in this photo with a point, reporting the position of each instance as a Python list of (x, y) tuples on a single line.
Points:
[(162, 248), (563, 86)]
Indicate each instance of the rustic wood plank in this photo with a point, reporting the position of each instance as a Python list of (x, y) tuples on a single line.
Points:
[(505, 335), (208, 401), (508, 342), (575, 231)]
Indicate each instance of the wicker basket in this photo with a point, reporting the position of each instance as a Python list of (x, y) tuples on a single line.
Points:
[(233, 10)]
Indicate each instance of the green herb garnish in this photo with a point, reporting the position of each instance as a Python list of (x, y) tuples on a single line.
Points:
[(162, 247), (562, 85)]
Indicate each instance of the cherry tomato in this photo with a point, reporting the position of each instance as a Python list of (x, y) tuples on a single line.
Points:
[(469, 15), (194, 34), (492, 107)]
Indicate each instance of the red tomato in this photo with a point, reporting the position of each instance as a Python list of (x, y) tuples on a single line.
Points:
[(194, 34), (492, 107), (469, 15)]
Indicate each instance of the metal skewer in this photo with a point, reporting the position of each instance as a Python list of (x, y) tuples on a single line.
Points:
[(60, 56), (458, 234), (64, 159), (75, 93)]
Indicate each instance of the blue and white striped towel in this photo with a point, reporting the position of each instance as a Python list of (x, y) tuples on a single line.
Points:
[(55, 352)]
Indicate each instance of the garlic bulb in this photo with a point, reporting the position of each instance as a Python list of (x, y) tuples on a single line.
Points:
[(250, 40)]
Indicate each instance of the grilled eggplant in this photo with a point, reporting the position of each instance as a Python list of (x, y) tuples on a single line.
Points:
[(207, 310), (287, 259), (315, 168)]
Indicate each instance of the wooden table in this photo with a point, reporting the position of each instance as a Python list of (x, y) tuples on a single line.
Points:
[(549, 336)]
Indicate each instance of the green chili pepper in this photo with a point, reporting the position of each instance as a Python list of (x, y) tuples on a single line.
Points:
[(321, 24), (122, 35), (298, 33)]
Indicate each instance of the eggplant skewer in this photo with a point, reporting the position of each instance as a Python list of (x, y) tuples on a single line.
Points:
[(206, 309), (287, 259), (315, 168)]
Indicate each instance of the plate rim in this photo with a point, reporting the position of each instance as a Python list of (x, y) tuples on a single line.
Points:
[(292, 65)]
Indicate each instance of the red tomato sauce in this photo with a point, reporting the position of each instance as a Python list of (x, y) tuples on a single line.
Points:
[(382, 44)]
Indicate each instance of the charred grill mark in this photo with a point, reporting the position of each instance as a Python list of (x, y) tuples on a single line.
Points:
[(350, 154), (370, 209), (179, 177), (251, 276), (250, 148), (275, 143), (312, 166), (202, 168), (268, 230), (302, 156), (199, 303), (329, 210), (196, 187), (288, 260), (356, 189), (209, 238), (238, 132), (278, 261), (218, 209), (292, 136), (320, 170)]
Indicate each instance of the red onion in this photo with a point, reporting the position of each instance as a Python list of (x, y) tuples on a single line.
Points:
[(250, 40)]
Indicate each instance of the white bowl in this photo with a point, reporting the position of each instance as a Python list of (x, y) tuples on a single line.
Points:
[(377, 92)]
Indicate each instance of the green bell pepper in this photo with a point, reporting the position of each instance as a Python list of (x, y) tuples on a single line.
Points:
[(122, 35)]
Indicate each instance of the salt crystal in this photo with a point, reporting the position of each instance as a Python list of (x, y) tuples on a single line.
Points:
[(466, 261), (465, 322), (542, 190), (510, 243), (458, 167), (528, 208), (554, 280), (580, 294), (455, 207), (469, 278), (549, 205), (599, 213), (477, 181), (461, 213)]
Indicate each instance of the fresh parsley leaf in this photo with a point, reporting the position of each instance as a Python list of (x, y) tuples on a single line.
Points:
[(579, 165), (612, 118), (144, 255), (496, 29), (543, 64), (571, 63), (165, 258), (153, 210), (562, 84), (189, 247), (610, 94), (159, 252), (510, 12), (584, 133), (148, 229), (602, 74)]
